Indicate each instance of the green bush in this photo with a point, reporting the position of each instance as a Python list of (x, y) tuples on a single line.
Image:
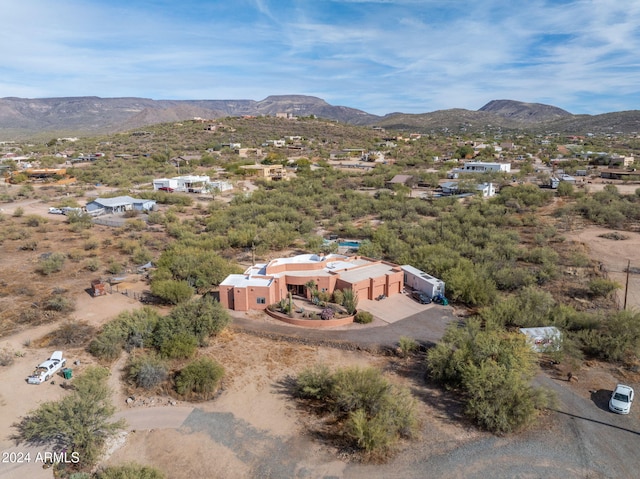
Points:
[(407, 345), (601, 287), (370, 411), (491, 369), (147, 370), (172, 291), (129, 471), (179, 346), (315, 382), (131, 329), (363, 317), (350, 301), (18, 212), (202, 317), (338, 297), (60, 303), (359, 388), (199, 379), (52, 263)]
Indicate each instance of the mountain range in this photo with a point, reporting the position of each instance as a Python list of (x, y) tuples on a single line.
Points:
[(22, 118)]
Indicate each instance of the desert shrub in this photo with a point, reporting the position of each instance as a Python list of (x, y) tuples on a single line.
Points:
[(359, 388), (72, 333), (75, 255), (172, 291), (130, 329), (147, 370), (141, 255), (363, 317), (315, 382), (135, 225), (407, 345), (376, 434), (91, 244), (92, 264), (602, 287), (617, 337), (35, 220), (60, 303), (52, 263), (79, 220), (491, 369), (179, 346), (108, 345), (18, 212), (338, 297), (369, 410), (350, 301), (114, 267), (199, 379), (202, 317), (129, 471), (7, 356), (30, 245)]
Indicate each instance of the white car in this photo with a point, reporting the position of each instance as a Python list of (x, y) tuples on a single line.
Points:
[(45, 371), (621, 399), (55, 211)]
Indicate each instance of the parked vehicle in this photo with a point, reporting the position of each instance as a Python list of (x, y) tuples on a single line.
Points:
[(168, 189), (440, 299), (621, 399), (45, 371), (55, 211), (68, 209), (421, 297)]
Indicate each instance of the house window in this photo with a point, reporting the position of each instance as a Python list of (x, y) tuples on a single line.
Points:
[(261, 300)]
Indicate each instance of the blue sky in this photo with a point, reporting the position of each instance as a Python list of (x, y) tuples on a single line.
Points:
[(380, 56)]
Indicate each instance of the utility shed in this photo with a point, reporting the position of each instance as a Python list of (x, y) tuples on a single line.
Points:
[(543, 339), (421, 281), (98, 288)]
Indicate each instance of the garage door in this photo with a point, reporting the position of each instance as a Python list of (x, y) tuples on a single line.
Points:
[(363, 293)]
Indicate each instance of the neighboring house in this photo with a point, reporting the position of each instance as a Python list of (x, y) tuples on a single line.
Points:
[(268, 172), (421, 281), (191, 184), (406, 180), (617, 161), (246, 152), (483, 167), (119, 204), (452, 188), (265, 284)]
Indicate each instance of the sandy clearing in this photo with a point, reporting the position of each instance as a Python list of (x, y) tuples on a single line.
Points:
[(614, 255)]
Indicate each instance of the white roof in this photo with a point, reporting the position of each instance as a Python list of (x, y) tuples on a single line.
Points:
[(241, 280), (119, 201)]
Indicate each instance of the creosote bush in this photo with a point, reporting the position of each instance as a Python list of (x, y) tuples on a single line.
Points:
[(147, 370), (200, 379), (52, 263), (370, 411), (363, 317)]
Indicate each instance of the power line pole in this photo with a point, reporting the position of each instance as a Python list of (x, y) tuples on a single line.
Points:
[(626, 286)]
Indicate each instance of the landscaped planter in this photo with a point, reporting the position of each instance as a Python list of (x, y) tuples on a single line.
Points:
[(310, 323)]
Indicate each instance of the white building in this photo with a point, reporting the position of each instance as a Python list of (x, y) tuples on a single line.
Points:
[(421, 281), (482, 167), (451, 188), (191, 184)]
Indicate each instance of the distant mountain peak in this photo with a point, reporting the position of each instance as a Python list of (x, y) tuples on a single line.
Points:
[(526, 112)]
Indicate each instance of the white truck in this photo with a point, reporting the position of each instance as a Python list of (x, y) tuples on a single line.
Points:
[(45, 371)]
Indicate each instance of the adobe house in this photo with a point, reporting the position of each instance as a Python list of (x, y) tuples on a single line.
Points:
[(264, 284)]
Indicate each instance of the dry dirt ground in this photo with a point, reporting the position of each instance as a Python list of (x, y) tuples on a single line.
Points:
[(615, 255)]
